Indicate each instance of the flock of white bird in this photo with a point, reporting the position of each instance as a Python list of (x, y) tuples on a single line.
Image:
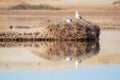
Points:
[(77, 16), (69, 20)]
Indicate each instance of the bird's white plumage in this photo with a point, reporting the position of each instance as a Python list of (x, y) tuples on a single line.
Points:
[(77, 15), (68, 20)]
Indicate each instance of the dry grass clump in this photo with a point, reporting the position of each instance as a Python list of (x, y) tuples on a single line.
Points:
[(74, 30), (25, 6), (116, 3)]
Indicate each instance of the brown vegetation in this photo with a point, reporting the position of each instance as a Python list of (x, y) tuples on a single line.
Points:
[(116, 3), (76, 30), (25, 6)]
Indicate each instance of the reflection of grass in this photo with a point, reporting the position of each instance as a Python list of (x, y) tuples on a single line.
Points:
[(24, 6)]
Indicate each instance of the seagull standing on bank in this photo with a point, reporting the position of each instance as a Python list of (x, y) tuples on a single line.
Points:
[(77, 15), (68, 20)]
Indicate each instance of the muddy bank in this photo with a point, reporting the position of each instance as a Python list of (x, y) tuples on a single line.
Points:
[(77, 30)]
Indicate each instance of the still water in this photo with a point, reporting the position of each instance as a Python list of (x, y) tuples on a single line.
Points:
[(62, 60)]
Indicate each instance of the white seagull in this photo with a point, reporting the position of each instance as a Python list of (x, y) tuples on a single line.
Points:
[(77, 15), (68, 20)]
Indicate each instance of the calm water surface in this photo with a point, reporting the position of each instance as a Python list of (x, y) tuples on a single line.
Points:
[(68, 61)]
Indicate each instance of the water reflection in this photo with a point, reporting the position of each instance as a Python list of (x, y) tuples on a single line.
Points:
[(57, 51), (71, 51)]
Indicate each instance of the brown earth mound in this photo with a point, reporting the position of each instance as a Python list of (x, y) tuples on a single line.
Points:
[(74, 30), (77, 30)]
